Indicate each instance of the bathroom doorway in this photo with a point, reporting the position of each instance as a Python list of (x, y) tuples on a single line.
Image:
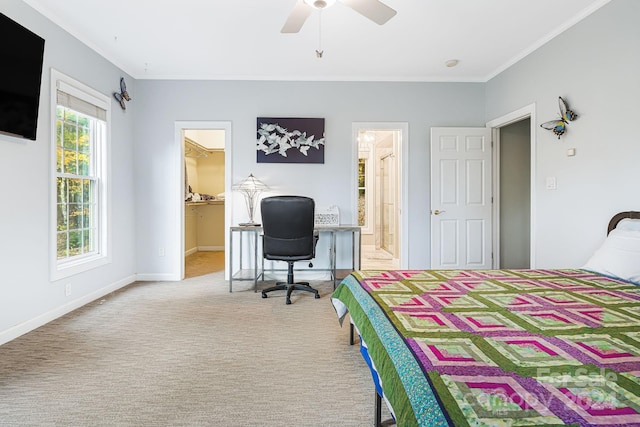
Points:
[(379, 195)]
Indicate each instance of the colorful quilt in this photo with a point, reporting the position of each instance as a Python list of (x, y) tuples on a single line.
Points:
[(500, 347)]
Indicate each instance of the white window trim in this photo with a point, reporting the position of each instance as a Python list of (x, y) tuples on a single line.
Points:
[(60, 270)]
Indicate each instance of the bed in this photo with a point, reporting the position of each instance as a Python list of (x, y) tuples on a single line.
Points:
[(505, 347)]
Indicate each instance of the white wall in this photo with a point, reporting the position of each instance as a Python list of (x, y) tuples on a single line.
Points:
[(27, 297), (596, 66), (162, 103)]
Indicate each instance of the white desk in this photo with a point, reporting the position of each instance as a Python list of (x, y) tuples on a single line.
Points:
[(249, 235)]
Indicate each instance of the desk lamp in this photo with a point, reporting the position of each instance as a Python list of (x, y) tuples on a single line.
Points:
[(250, 188)]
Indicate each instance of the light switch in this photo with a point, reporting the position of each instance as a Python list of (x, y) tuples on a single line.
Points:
[(551, 183), (571, 152)]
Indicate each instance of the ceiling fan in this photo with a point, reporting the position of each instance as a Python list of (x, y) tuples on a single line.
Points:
[(375, 10)]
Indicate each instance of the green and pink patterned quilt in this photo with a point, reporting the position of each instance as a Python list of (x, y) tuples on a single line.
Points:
[(500, 347)]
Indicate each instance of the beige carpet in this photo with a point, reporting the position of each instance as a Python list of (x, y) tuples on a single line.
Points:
[(188, 353)]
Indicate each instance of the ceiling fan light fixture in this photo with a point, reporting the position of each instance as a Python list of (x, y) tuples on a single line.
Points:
[(375, 10), (320, 4)]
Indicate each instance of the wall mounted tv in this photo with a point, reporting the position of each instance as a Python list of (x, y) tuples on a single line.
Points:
[(21, 53)]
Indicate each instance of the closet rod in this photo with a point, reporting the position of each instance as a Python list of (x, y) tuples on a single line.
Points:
[(193, 149)]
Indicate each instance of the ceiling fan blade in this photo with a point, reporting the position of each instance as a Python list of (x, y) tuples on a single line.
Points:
[(296, 19), (375, 10)]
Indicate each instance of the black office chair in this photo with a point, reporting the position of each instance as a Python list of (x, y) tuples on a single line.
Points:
[(288, 235)]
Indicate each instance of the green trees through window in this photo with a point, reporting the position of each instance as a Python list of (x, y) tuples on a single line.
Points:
[(76, 183)]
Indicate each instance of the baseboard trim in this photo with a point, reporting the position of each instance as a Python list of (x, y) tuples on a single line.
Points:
[(204, 249), (157, 277), (210, 248), (28, 326)]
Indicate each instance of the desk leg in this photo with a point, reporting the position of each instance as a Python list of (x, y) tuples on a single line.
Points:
[(333, 258), (230, 260), (353, 251), (255, 262), (359, 250)]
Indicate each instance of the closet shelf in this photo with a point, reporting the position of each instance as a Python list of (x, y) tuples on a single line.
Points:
[(205, 202)]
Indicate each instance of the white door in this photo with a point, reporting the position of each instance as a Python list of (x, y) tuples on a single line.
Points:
[(461, 198)]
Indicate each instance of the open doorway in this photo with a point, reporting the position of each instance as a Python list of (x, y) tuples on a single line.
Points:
[(514, 238), (379, 193), (515, 195), (204, 198), (203, 186)]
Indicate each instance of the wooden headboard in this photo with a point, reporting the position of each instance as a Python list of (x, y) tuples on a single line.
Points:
[(619, 217)]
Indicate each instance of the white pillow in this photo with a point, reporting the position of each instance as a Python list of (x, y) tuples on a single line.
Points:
[(619, 255)]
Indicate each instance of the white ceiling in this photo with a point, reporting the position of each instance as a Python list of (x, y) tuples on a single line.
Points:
[(241, 39)]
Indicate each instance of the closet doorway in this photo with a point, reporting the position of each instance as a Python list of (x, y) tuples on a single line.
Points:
[(380, 193), (204, 184)]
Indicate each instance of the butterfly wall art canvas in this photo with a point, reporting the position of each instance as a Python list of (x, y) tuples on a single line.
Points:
[(290, 140), (559, 126), (123, 95)]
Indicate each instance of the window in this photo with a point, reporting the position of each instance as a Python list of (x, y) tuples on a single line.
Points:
[(80, 199)]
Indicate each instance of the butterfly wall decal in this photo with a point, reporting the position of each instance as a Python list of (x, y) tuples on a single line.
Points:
[(123, 95), (559, 126)]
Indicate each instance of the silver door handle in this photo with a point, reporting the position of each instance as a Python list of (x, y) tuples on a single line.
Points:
[(437, 212)]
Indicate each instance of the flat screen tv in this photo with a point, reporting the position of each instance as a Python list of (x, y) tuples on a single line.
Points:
[(21, 53)]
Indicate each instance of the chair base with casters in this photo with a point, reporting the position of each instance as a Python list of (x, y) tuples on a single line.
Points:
[(290, 285)]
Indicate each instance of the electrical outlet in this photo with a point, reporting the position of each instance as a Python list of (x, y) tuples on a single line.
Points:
[(67, 289), (552, 183), (161, 251)]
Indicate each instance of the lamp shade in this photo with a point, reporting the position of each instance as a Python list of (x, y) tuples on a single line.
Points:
[(250, 184), (250, 188)]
